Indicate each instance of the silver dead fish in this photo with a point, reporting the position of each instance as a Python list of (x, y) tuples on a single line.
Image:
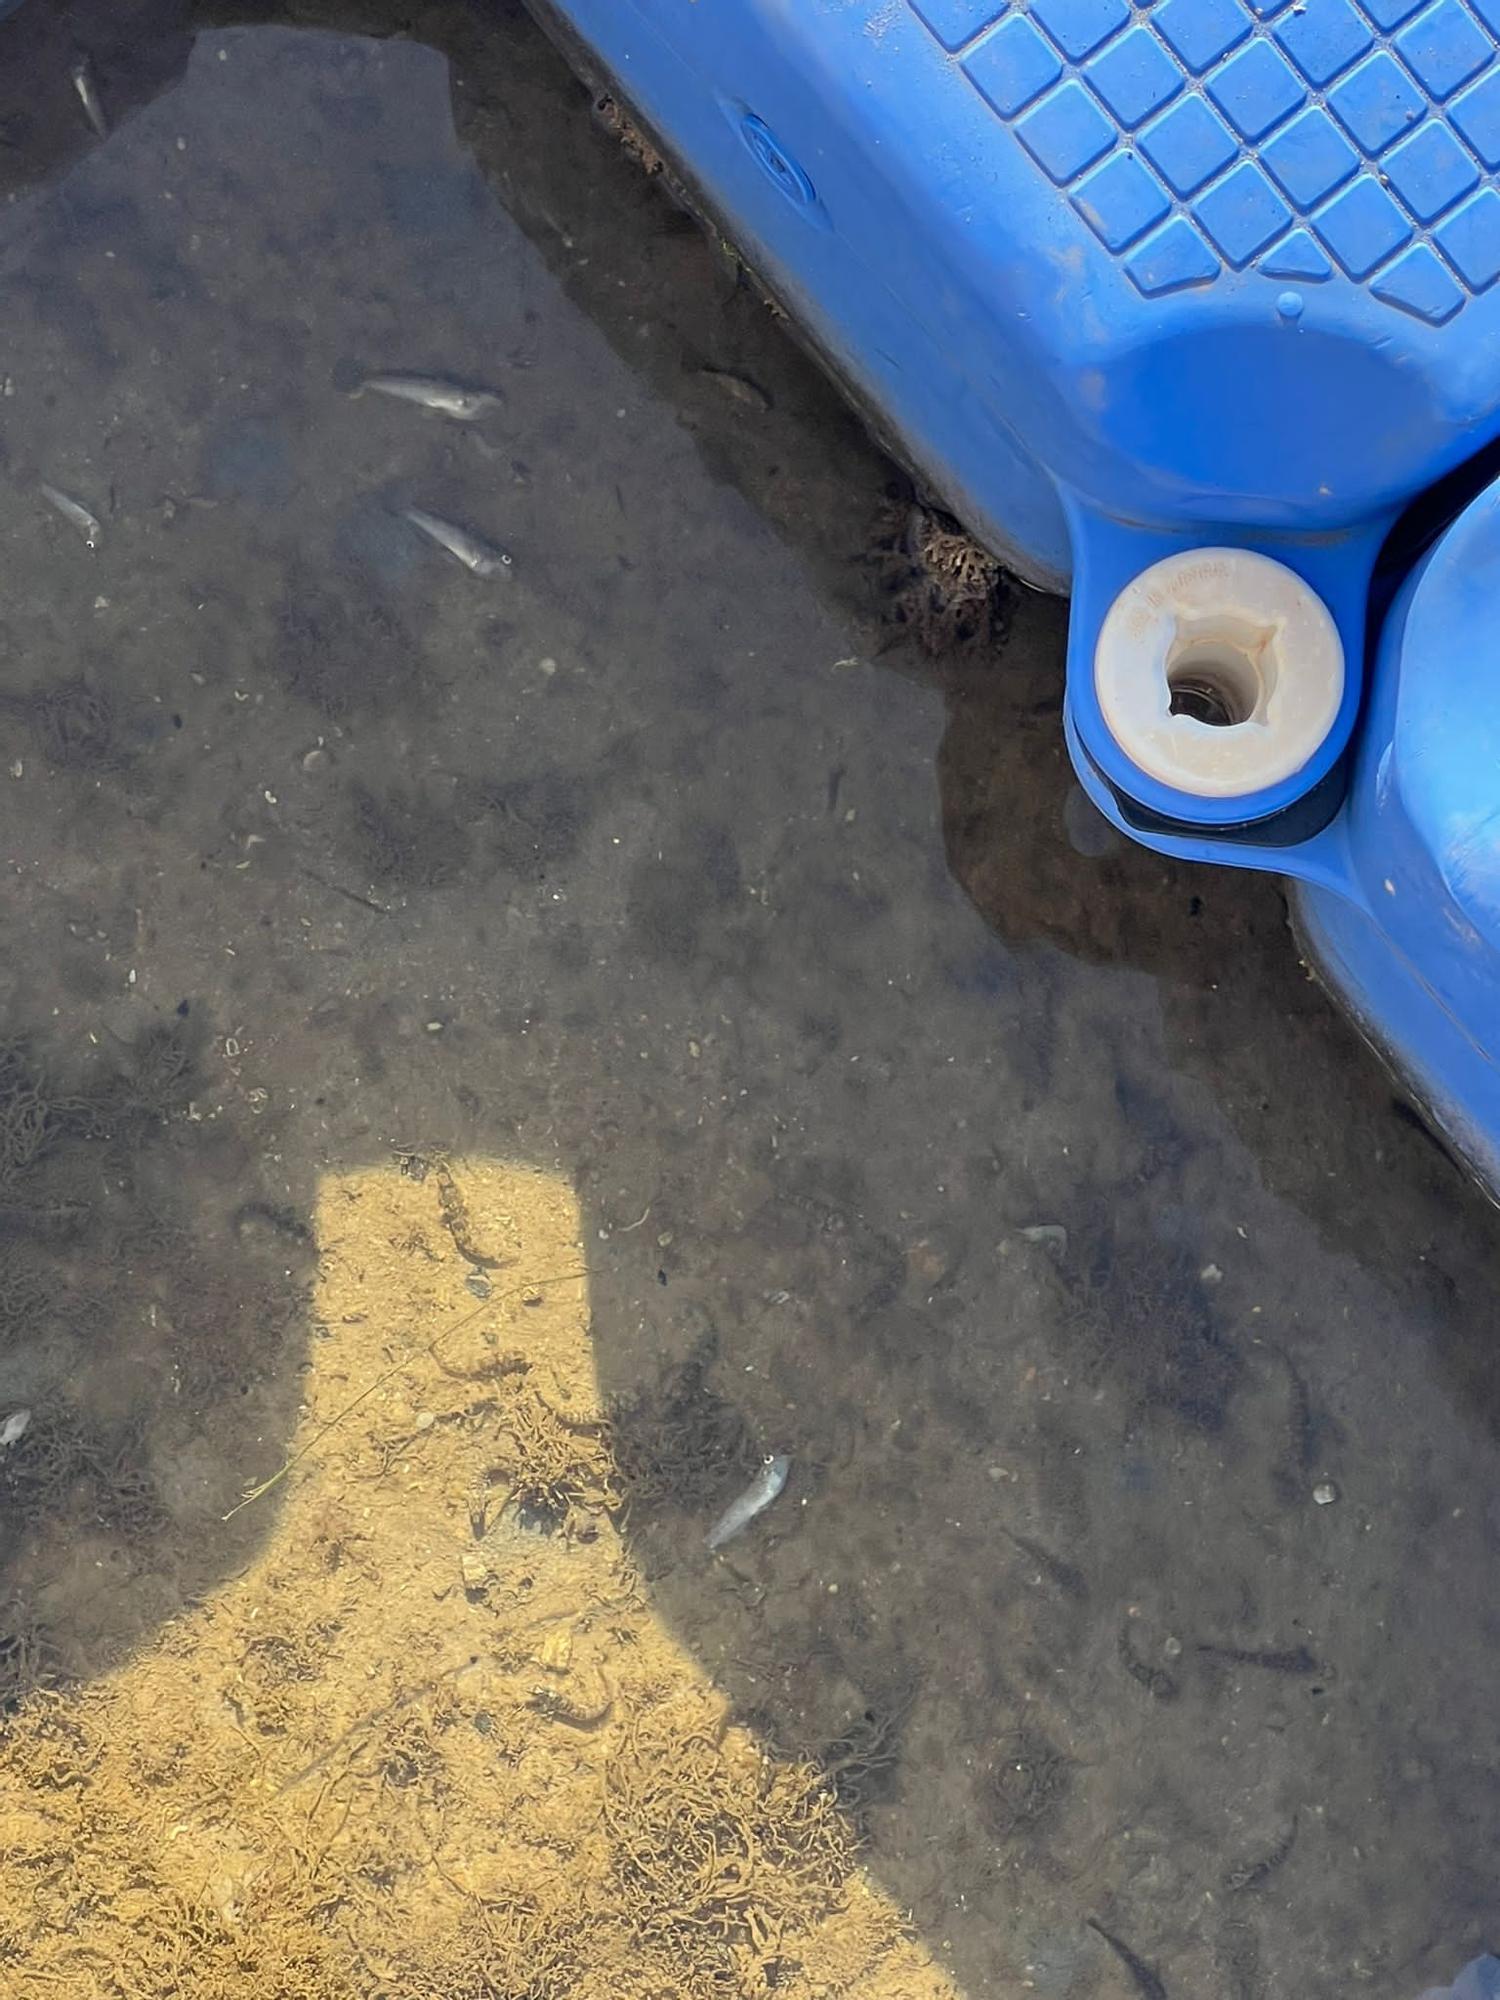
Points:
[(88, 97), (756, 1497), (468, 549), (14, 1428), (739, 388), (75, 513), (449, 399)]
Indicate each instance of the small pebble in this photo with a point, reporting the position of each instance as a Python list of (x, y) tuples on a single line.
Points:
[(424, 1420), (1326, 1494)]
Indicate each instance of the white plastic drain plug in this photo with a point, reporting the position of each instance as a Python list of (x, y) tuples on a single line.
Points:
[(1219, 672)]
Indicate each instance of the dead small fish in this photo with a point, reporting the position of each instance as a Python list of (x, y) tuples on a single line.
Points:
[(14, 1428), (88, 97), (1275, 1660), (755, 1499), (75, 514), (1250, 1874), (739, 388), (1062, 1575), (1148, 1980), (475, 555), (449, 399)]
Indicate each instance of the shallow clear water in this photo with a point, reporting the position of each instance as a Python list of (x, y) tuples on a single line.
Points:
[(1133, 1350)]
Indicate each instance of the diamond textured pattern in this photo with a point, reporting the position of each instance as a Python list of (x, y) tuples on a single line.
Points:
[(1323, 38), (1066, 133), (1318, 140), (1243, 213), (1189, 145), (1198, 32), (1310, 157), (1256, 89), (1079, 26), (1014, 65), (955, 22), (1121, 200), (1430, 171), (1377, 102), (1444, 47), (1134, 76), (1471, 239), (1363, 227), (1299, 257)]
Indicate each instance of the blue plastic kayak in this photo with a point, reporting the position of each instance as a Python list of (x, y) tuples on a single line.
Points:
[(1191, 307)]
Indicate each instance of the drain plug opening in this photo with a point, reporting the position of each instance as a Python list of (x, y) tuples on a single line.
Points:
[(1218, 673), (1218, 678)]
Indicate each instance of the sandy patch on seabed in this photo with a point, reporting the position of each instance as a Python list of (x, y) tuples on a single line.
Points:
[(434, 1741)]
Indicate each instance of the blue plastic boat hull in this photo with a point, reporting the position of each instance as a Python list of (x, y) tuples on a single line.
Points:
[(1128, 283)]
